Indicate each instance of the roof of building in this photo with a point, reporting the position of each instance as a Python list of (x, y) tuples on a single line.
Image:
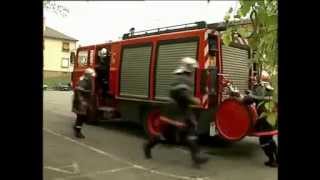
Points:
[(51, 33)]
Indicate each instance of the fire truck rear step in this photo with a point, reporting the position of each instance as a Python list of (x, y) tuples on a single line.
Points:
[(108, 114), (106, 109)]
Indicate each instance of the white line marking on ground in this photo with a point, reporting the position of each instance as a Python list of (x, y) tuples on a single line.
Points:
[(169, 174), (74, 165), (58, 170), (98, 172), (122, 160), (90, 147)]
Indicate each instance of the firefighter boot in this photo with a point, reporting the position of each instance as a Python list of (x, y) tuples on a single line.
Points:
[(195, 154), (277, 157), (147, 151), (270, 154), (77, 133), (198, 160), (271, 163), (275, 152), (149, 145)]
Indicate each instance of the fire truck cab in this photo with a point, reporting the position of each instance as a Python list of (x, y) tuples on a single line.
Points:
[(134, 77)]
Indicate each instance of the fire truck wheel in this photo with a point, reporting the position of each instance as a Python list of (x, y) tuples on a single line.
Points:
[(151, 123)]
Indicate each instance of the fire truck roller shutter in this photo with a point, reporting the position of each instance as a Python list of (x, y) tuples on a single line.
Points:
[(235, 63), (134, 80), (169, 56)]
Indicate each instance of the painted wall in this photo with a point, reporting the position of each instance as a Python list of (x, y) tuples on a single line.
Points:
[(53, 55)]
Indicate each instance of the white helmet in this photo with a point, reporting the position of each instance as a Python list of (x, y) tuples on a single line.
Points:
[(269, 87), (90, 72), (265, 77), (103, 52), (181, 69), (187, 65), (188, 61)]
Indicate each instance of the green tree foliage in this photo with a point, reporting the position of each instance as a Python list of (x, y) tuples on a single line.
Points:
[(56, 8), (262, 40), (262, 37)]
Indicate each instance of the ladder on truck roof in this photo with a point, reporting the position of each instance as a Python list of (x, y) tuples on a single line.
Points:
[(176, 28)]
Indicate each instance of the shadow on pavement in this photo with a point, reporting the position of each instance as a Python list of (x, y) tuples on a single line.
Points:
[(129, 128)]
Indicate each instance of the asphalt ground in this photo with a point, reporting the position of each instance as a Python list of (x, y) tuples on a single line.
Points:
[(113, 150)]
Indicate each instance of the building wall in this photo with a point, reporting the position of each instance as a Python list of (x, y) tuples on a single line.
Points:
[(53, 55), (56, 75)]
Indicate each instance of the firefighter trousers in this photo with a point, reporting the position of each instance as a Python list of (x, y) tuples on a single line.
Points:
[(190, 139), (79, 121), (269, 147)]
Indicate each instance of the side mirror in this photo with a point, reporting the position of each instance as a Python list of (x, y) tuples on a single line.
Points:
[(72, 57)]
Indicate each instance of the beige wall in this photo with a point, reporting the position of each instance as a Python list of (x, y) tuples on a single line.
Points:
[(53, 55), (56, 74)]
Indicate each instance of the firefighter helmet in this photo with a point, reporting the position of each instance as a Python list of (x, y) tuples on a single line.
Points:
[(268, 86), (266, 80), (90, 72), (187, 65), (103, 52), (180, 69), (265, 77), (189, 62)]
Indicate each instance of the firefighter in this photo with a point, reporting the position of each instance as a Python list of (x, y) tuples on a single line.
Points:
[(182, 97), (261, 94), (102, 71), (81, 103)]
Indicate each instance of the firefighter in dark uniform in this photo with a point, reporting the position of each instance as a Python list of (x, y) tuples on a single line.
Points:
[(262, 93), (81, 101), (102, 71), (180, 110)]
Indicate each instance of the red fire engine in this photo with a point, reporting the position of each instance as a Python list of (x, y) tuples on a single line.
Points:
[(139, 72)]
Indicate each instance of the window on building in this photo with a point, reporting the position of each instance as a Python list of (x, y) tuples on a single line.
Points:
[(65, 47), (72, 57), (65, 62)]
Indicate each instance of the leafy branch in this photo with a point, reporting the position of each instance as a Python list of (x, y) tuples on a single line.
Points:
[(262, 37), (56, 8)]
